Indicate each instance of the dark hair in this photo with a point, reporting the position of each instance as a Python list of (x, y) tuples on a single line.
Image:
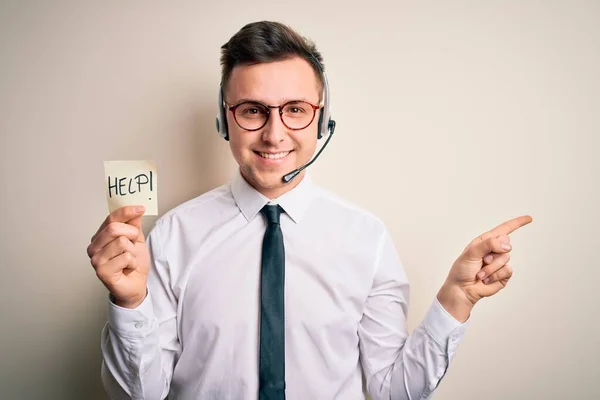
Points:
[(267, 41)]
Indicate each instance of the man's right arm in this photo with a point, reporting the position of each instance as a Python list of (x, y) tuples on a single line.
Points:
[(140, 344)]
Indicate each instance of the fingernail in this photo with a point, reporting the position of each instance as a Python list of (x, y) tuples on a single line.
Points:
[(481, 274), (139, 209), (486, 280), (505, 246)]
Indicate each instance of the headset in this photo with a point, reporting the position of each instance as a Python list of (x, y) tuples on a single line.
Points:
[(326, 124)]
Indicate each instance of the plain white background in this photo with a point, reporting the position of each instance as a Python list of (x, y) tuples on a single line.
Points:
[(452, 118)]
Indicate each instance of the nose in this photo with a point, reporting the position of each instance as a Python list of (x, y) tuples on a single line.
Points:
[(274, 131)]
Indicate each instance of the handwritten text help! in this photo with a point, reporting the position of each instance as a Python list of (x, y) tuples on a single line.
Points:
[(131, 183)]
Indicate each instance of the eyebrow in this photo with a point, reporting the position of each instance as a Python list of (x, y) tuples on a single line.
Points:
[(283, 101)]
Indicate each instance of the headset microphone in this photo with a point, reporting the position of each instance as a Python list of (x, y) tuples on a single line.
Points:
[(288, 177)]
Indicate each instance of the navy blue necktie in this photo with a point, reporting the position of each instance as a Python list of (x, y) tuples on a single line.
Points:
[(271, 376)]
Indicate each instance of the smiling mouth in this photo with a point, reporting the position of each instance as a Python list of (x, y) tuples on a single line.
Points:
[(273, 156)]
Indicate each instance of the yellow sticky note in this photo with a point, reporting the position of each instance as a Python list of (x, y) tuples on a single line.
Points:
[(131, 183)]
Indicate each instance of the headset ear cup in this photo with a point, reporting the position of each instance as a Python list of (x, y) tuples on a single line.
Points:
[(222, 127), (225, 127), (320, 125), (222, 130)]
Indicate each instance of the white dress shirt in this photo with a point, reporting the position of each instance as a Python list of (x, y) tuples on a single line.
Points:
[(196, 336)]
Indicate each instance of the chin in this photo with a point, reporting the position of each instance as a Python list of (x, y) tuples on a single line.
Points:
[(270, 181), (264, 180)]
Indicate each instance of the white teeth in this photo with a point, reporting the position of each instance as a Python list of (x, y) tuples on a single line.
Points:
[(274, 156)]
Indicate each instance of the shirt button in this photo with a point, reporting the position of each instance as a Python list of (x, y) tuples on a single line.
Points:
[(139, 325)]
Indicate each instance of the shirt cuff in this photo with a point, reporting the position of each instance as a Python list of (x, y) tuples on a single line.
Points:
[(132, 322), (443, 327)]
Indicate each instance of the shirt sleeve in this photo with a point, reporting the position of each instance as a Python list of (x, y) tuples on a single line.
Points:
[(397, 365), (140, 346)]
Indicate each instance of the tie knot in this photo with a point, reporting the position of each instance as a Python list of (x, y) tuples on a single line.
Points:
[(271, 213)]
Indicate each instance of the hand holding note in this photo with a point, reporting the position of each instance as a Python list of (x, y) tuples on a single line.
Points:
[(120, 257), (118, 250)]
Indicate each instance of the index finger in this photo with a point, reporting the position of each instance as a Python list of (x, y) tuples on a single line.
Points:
[(511, 226), (122, 214), (504, 229)]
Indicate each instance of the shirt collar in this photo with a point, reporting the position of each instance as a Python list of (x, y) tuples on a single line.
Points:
[(294, 203)]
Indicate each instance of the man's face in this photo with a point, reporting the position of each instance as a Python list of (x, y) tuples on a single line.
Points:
[(269, 153)]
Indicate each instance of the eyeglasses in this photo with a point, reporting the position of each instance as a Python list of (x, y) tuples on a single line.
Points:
[(253, 115)]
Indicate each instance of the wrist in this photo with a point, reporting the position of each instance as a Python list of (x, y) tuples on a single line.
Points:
[(455, 301), (129, 303)]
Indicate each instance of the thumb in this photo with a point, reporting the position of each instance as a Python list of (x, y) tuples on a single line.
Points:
[(137, 222), (124, 214), (478, 250)]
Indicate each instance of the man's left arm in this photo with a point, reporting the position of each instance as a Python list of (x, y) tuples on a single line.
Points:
[(402, 366)]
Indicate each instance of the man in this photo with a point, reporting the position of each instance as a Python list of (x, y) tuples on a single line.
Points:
[(272, 290)]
